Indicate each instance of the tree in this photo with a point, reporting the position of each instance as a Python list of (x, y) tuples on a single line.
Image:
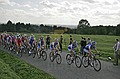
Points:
[(82, 26), (18, 26), (83, 23), (10, 26), (54, 27), (9, 22), (118, 29)]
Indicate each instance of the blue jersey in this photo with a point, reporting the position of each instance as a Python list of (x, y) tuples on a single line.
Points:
[(89, 46), (72, 46), (53, 45), (41, 43), (31, 40)]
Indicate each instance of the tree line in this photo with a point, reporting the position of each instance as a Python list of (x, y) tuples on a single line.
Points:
[(83, 27)]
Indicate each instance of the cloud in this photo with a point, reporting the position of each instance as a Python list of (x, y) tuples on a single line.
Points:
[(107, 3), (15, 4), (48, 4), (70, 11), (90, 1), (65, 4), (34, 9), (27, 5), (4, 1)]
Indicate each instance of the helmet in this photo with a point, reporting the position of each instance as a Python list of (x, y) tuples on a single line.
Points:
[(55, 39), (94, 43), (32, 35), (75, 43)]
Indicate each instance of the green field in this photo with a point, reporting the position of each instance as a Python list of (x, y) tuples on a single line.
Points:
[(14, 68), (104, 42)]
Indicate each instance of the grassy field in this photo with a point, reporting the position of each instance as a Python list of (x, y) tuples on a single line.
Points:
[(104, 42), (14, 68)]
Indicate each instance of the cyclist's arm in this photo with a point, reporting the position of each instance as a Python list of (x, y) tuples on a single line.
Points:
[(96, 51)]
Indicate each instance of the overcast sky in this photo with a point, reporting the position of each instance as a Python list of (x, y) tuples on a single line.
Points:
[(66, 12)]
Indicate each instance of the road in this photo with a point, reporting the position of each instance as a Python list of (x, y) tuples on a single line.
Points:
[(65, 71)]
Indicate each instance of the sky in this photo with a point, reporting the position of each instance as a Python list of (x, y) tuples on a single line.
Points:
[(63, 12)]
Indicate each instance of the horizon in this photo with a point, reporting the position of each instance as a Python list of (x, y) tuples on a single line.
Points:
[(60, 12), (58, 25)]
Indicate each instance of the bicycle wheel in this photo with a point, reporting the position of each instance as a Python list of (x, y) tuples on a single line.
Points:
[(58, 59), (97, 65), (85, 61), (44, 55), (68, 59), (78, 61), (51, 56)]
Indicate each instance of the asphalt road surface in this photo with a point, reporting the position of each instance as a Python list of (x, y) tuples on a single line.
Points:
[(65, 71)]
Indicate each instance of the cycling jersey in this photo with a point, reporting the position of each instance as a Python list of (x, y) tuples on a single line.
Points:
[(19, 41), (31, 41), (87, 47), (13, 39), (53, 45), (41, 43), (5, 37), (8, 39), (71, 47)]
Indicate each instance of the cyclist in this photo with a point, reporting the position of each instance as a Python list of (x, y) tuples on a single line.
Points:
[(8, 39), (71, 48), (18, 42), (89, 47), (5, 38), (13, 38), (41, 44), (54, 46), (2, 38), (25, 40), (32, 42)]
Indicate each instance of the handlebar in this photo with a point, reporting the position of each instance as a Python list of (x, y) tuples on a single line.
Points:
[(98, 54)]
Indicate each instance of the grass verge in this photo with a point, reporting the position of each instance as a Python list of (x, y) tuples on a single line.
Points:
[(13, 68)]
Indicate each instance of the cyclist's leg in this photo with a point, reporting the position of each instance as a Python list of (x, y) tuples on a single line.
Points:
[(71, 52), (51, 49), (30, 48)]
